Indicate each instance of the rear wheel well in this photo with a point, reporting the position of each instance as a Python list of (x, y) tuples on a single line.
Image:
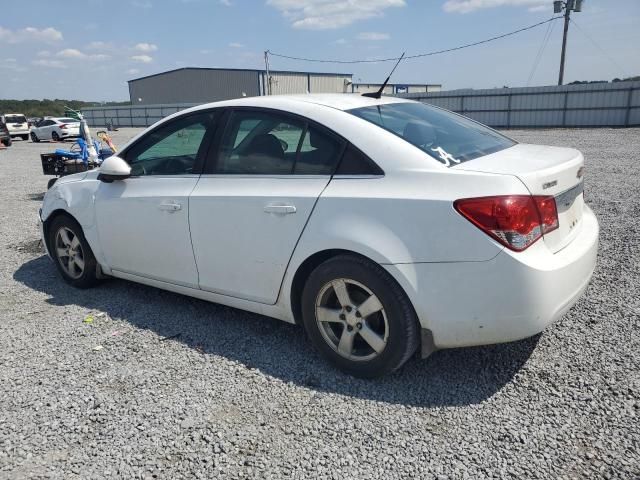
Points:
[(303, 272)]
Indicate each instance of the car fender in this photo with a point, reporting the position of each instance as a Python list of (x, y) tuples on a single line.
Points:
[(75, 195)]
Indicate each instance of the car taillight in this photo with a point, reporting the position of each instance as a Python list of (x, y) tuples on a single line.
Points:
[(63, 126), (516, 221)]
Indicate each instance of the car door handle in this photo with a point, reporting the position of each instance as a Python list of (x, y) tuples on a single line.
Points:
[(280, 209), (170, 207)]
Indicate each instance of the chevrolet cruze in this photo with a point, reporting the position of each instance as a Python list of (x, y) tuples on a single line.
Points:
[(383, 226)]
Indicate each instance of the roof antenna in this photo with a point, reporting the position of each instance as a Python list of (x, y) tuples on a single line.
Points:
[(378, 94)]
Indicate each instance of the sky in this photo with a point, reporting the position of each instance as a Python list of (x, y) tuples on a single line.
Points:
[(88, 49)]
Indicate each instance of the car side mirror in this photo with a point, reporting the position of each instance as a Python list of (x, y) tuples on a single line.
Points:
[(114, 168)]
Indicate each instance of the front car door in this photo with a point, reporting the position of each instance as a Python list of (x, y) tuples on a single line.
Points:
[(143, 221), (254, 199), (44, 129)]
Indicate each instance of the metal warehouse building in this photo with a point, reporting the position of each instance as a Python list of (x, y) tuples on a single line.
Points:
[(202, 85), (396, 88)]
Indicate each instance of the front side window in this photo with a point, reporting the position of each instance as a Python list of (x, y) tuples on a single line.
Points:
[(171, 149), (445, 136)]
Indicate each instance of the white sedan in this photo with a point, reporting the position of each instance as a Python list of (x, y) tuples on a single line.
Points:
[(55, 129), (383, 226)]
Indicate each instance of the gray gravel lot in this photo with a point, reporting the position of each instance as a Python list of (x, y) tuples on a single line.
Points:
[(237, 395)]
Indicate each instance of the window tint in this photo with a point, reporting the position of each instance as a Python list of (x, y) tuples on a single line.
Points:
[(355, 162), (259, 143), (319, 153), (170, 149), (445, 136)]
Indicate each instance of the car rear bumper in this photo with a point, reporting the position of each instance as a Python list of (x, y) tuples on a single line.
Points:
[(70, 134), (17, 133), (513, 296)]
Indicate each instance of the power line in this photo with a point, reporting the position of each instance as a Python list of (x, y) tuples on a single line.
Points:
[(420, 55), (543, 47), (604, 52)]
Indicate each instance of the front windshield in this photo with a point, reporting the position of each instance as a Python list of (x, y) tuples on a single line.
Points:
[(449, 138)]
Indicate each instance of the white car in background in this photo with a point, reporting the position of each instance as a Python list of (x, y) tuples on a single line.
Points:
[(16, 124), (55, 129), (380, 225)]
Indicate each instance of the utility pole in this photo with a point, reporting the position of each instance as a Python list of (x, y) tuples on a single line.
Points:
[(267, 87), (568, 5)]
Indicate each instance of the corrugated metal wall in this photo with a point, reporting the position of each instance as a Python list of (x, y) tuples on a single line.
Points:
[(192, 85), (589, 105), (284, 83), (202, 85), (134, 116), (329, 83), (596, 105), (369, 88), (392, 88), (289, 83)]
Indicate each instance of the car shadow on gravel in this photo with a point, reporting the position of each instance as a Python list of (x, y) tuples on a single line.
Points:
[(456, 377)]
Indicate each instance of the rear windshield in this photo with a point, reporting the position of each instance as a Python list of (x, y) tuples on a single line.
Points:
[(68, 120), (445, 136), (15, 119)]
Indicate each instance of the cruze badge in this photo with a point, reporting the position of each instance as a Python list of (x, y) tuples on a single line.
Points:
[(550, 184)]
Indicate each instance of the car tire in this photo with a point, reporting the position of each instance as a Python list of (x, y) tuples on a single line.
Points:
[(336, 326), (71, 253), (34, 138), (55, 137), (24, 137), (7, 142)]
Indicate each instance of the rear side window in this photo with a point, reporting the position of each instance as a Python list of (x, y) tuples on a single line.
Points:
[(259, 143), (445, 136), (271, 143)]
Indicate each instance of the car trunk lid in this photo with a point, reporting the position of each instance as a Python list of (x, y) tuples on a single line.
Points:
[(544, 170)]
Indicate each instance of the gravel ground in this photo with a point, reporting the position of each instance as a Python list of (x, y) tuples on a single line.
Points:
[(163, 386)]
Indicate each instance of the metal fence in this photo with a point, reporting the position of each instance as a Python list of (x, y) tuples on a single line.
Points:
[(588, 105), (133, 116)]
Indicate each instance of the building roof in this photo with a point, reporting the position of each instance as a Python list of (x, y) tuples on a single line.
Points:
[(240, 70)]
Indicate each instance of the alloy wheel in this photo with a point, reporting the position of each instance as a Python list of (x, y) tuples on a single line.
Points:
[(69, 252), (351, 319)]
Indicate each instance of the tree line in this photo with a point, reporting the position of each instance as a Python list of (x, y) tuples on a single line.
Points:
[(47, 107)]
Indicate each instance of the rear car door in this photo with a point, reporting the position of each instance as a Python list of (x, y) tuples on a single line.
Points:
[(259, 187), (143, 221)]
